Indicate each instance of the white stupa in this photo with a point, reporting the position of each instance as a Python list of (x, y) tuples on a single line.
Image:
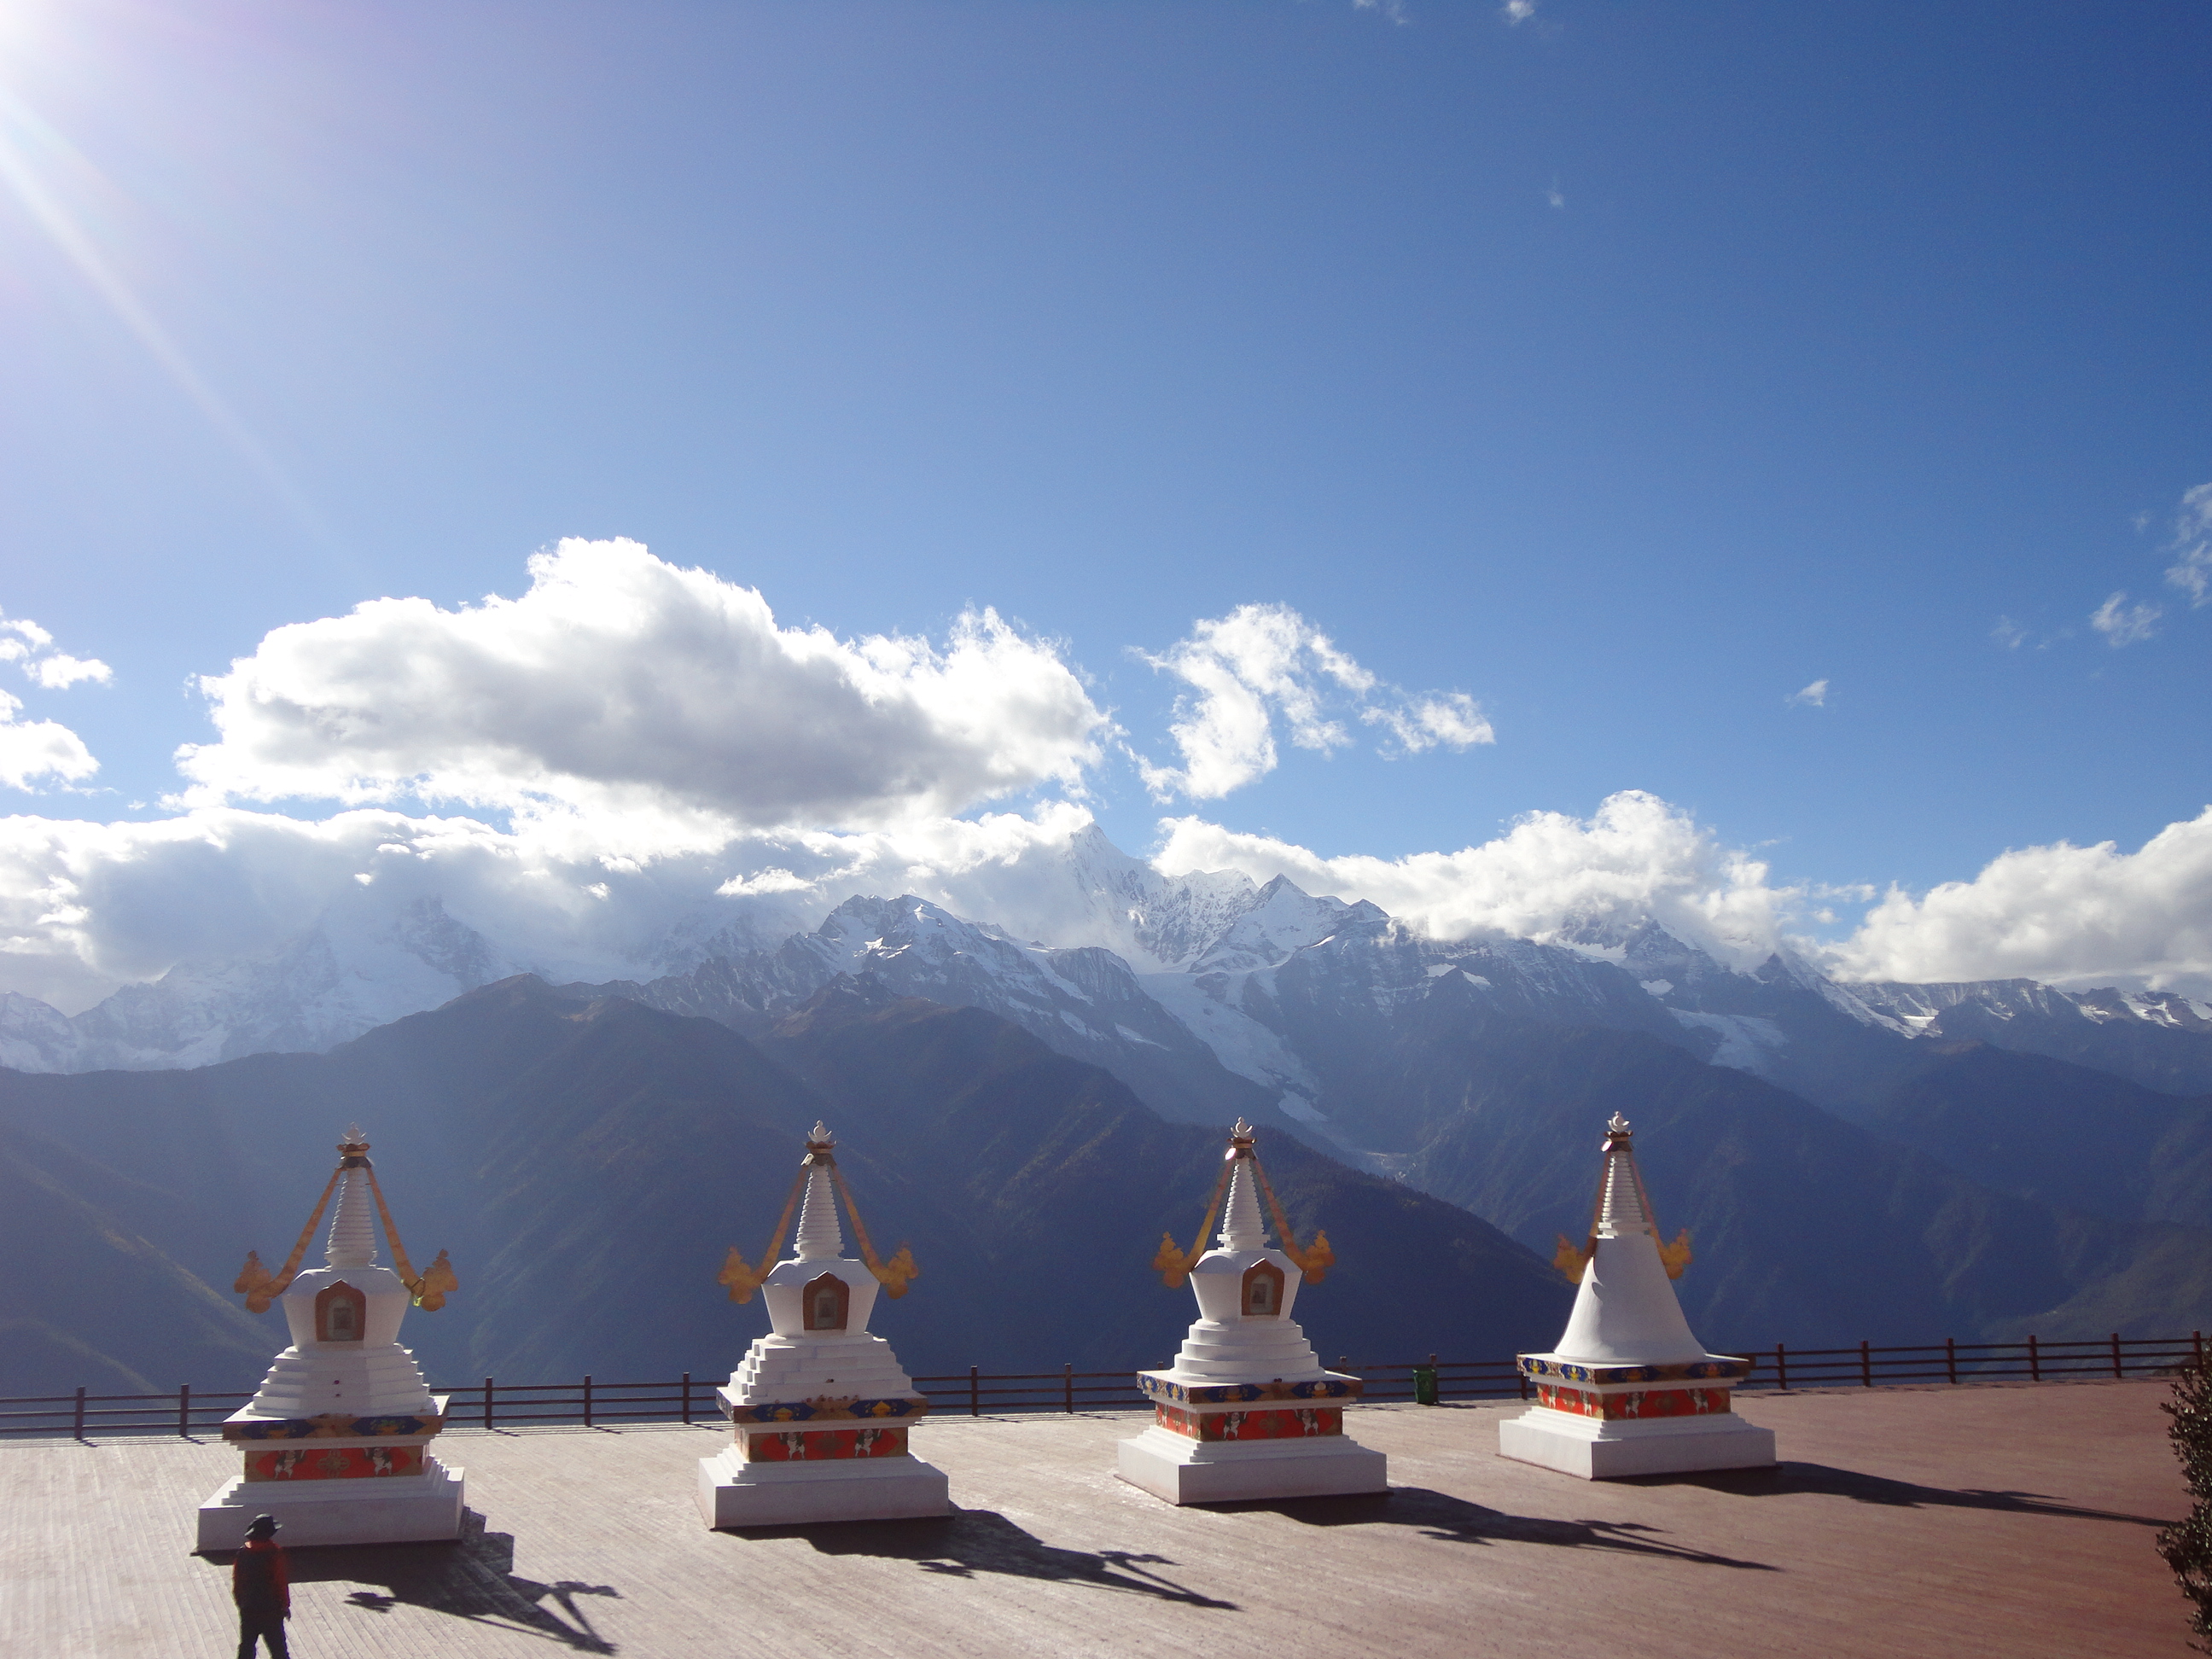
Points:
[(1630, 1391), (1247, 1410), (820, 1408), (337, 1442)]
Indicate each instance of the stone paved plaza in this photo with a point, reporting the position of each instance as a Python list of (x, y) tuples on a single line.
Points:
[(2009, 1521)]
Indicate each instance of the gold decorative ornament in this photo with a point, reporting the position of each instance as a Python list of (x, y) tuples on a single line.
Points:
[(1314, 1258), (260, 1287), (744, 1278), (1674, 1257)]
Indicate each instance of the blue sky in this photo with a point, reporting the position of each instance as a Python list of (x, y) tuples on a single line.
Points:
[(1628, 368)]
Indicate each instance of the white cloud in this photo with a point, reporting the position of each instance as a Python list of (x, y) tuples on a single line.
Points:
[(30, 749), (2191, 569), (60, 671), (1517, 12), (1814, 696), (29, 630), (2068, 915), (2121, 623), (56, 671), (86, 908), (2008, 633), (773, 879), (2192, 573), (621, 686), (2063, 913), (1262, 661), (1555, 195), (1551, 877), (1451, 718)]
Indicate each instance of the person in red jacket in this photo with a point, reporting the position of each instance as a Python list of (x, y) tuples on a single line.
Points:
[(261, 1584)]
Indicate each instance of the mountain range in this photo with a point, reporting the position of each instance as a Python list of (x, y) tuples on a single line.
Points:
[(587, 1162), (1895, 1162)]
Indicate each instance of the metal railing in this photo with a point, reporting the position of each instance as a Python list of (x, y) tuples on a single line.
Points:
[(592, 1404), (1951, 1361)]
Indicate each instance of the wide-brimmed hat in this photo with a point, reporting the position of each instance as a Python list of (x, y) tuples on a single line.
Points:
[(261, 1526)]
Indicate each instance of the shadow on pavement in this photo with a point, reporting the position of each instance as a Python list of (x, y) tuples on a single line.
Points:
[(1780, 1479), (472, 1577), (969, 1542), (1454, 1520)]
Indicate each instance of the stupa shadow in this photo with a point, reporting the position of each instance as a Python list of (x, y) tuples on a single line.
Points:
[(1455, 1520), (471, 1578), (969, 1542), (1779, 1479)]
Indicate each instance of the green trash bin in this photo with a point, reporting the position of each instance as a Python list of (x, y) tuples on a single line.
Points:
[(1424, 1384)]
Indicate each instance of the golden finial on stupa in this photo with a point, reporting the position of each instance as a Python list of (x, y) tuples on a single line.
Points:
[(1173, 1263), (260, 1287), (743, 1279), (1675, 1256)]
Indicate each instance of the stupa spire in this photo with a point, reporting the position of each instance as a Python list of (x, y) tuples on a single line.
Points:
[(352, 1241), (815, 1195), (820, 1237), (1241, 1228), (1622, 1205), (1244, 1184)]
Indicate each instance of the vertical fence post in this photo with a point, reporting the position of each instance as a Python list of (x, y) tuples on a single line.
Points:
[(184, 1409), (1951, 1356), (80, 1414), (687, 1396), (487, 1402), (2116, 1354), (587, 1400), (2197, 1341), (1782, 1365), (974, 1394), (1866, 1366), (2035, 1360)]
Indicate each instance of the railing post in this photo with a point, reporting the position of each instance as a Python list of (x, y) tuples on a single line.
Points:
[(487, 1402), (80, 1414), (184, 1409), (2116, 1354), (1522, 1377), (1866, 1366), (974, 1394), (1782, 1365), (687, 1396), (587, 1400), (1067, 1385), (2196, 1341), (1951, 1356), (2035, 1360)]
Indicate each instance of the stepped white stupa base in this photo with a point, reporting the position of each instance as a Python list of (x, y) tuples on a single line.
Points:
[(1599, 1450), (1182, 1470), (735, 1492), (387, 1509)]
